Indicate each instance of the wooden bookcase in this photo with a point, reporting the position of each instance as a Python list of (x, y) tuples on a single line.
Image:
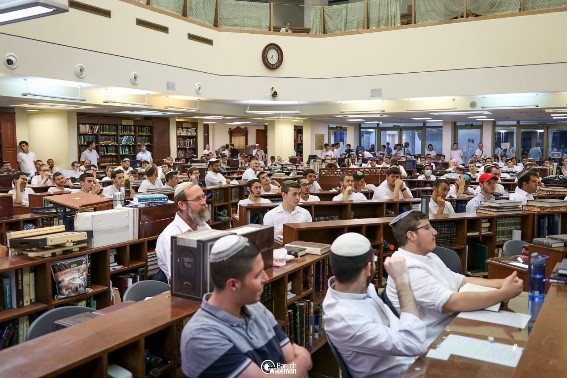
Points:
[(186, 137)]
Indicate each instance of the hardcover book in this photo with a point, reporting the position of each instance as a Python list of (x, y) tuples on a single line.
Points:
[(311, 248), (547, 242)]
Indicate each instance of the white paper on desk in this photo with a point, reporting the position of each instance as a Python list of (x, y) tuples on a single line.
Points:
[(469, 287), (518, 264), (508, 318), (497, 353)]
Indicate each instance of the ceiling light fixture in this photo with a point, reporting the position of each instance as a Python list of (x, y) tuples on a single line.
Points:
[(21, 10), (431, 109), (362, 111), (510, 107), (463, 112), (53, 97), (126, 103), (183, 109), (271, 111)]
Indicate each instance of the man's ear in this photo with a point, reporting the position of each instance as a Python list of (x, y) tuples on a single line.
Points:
[(232, 284)]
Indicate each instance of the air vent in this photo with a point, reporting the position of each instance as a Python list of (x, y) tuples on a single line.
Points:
[(152, 25), (89, 8), (198, 38)]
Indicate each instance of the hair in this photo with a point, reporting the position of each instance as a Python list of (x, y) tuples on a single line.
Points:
[(74, 162), (16, 175), (251, 182), (116, 173), (488, 168), (308, 171), (57, 174), (90, 143), (23, 142), (84, 176), (344, 175), (170, 174), (192, 169), (408, 223), (288, 185), (347, 269), (236, 266), (440, 181), (524, 177), (151, 170), (393, 171), (261, 173)]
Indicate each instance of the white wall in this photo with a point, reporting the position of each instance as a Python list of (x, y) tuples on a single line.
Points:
[(53, 135)]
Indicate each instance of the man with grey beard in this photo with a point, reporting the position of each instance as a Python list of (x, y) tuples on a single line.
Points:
[(193, 215)]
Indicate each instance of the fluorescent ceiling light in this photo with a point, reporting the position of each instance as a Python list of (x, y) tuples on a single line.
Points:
[(238, 123), (431, 109), (362, 111), (53, 97), (488, 119), (477, 117), (21, 10), (355, 120), (183, 109), (434, 120), (556, 110), (210, 117), (463, 112), (272, 102), (560, 118), (510, 107), (559, 115), (125, 103), (271, 111), (146, 112), (421, 118), (360, 115)]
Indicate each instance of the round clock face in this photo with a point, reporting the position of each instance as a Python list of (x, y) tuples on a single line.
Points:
[(272, 56)]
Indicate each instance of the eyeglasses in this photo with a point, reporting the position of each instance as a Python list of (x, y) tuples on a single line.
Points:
[(197, 199), (427, 226)]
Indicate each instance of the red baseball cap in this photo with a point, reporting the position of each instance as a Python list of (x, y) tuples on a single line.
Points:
[(486, 176)]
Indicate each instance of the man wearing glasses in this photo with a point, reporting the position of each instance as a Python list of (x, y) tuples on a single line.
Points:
[(305, 195), (436, 287), (192, 215), (43, 178)]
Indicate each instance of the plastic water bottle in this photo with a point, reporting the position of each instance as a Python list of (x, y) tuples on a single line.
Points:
[(537, 286), (425, 204)]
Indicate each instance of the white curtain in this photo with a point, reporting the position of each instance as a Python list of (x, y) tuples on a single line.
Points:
[(382, 13)]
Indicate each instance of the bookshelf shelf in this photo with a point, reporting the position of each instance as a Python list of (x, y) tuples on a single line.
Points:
[(96, 289), (14, 313)]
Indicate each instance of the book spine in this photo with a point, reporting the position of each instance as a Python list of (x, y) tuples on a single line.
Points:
[(26, 284), (19, 288), (7, 290), (32, 286)]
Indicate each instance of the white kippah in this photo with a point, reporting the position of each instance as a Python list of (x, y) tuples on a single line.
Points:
[(181, 187), (350, 245), (226, 247)]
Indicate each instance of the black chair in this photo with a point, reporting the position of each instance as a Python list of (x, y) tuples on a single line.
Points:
[(388, 303), (345, 373), (450, 258)]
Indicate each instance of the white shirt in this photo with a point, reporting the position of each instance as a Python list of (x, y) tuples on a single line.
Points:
[(499, 189), (480, 153), (25, 195), (249, 174), (27, 162), (433, 207), (272, 188), (353, 196), (36, 180), (315, 187), (91, 155), (372, 341), (424, 177), (212, 179), (310, 199), (277, 217), (147, 185), (163, 246), (457, 155), (54, 189), (521, 195), (431, 153), (432, 284), (109, 191), (326, 153), (474, 203), (247, 201), (383, 192), (144, 156), (453, 191)]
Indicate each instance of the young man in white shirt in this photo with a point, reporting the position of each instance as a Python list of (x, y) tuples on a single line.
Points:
[(144, 154), (88, 184), (348, 191), (456, 154), (268, 186), (152, 181), (427, 173), (437, 204), (487, 185), (59, 181), (90, 154), (528, 182), (393, 187), (288, 211), (117, 177), (461, 187), (252, 171), (52, 166), (305, 195), (434, 286), (43, 176), (311, 175), (480, 151), (370, 338), (26, 159), (20, 193), (254, 194), (171, 180), (125, 167), (214, 177)]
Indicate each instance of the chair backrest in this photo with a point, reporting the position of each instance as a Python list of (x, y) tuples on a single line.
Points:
[(513, 247), (388, 302), (450, 258), (344, 369), (143, 289), (44, 323)]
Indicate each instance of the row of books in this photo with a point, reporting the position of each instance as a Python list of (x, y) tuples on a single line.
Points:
[(186, 143), (446, 233), (114, 265), (505, 226), (546, 206), (548, 225), (85, 139), (552, 241), (87, 128), (321, 281), (126, 129), (18, 288), (267, 297), (187, 132), (14, 332), (153, 267), (304, 323)]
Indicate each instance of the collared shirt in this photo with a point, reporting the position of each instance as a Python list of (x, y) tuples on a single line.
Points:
[(36, 181), (353, 196), (163, 246), (217, 344), (315, 187), (370, 338), (213, 179), (521, 195), (144, 156), (249, 174), (434, 207), (55, 189), (457, 155), (310, 199), (432, 284), (499, 189), (109, 191), (277, 217), (27, 162), (91, 155), (474, 203), (383, 191), (25, 195), (147, 185)]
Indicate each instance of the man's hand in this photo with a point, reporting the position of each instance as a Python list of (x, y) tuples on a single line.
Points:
[(398, 184), (96, 188), (396, 268), (302, 358), (460, 182), (512, 285), (347, 190)]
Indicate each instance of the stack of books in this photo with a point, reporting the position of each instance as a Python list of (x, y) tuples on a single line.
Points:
[(546, 205), (311, 248), (548, 242), (500, 207), (559, 274)]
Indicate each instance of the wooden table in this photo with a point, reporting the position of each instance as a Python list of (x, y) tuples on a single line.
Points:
[(501, 268)]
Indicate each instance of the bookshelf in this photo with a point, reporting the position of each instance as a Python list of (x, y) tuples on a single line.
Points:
[(186, 137), (117, 138)]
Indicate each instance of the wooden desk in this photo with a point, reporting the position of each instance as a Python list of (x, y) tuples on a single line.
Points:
[(462, 367), (500, 268), (40, 188)]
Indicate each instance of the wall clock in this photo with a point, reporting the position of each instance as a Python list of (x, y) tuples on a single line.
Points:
[(272, 56)]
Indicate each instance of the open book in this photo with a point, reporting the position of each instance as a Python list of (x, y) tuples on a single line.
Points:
[(469, 287)]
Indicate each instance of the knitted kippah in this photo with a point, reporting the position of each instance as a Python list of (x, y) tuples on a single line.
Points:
[(226, 247)]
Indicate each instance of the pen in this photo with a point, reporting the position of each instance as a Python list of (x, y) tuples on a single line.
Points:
[(550, 280)]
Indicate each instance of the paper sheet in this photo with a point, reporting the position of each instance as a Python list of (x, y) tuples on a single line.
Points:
[(497, 353), (518, 264), (508, 318), (469, 287)]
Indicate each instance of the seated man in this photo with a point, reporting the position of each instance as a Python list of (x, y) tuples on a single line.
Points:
[(125, 167), (495, 171), (458, 171), (233, 334), (528, 182), (117, 177), (487, 185), (360, 184), (254, 192), (214, 177), (473, 171), (437, 204), (43, 176), (371, 339), (393, 187), (20, 192), (60, 181), (152, 181), (171, 180), (52, 167), (305, 196), (436, 287), (268, 185), (427, 173), (311, 175), (194, 174), (461, 187), (348, 191), (192, 215), (107, 174), (252, 171), (88, 184), (288, 211)]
